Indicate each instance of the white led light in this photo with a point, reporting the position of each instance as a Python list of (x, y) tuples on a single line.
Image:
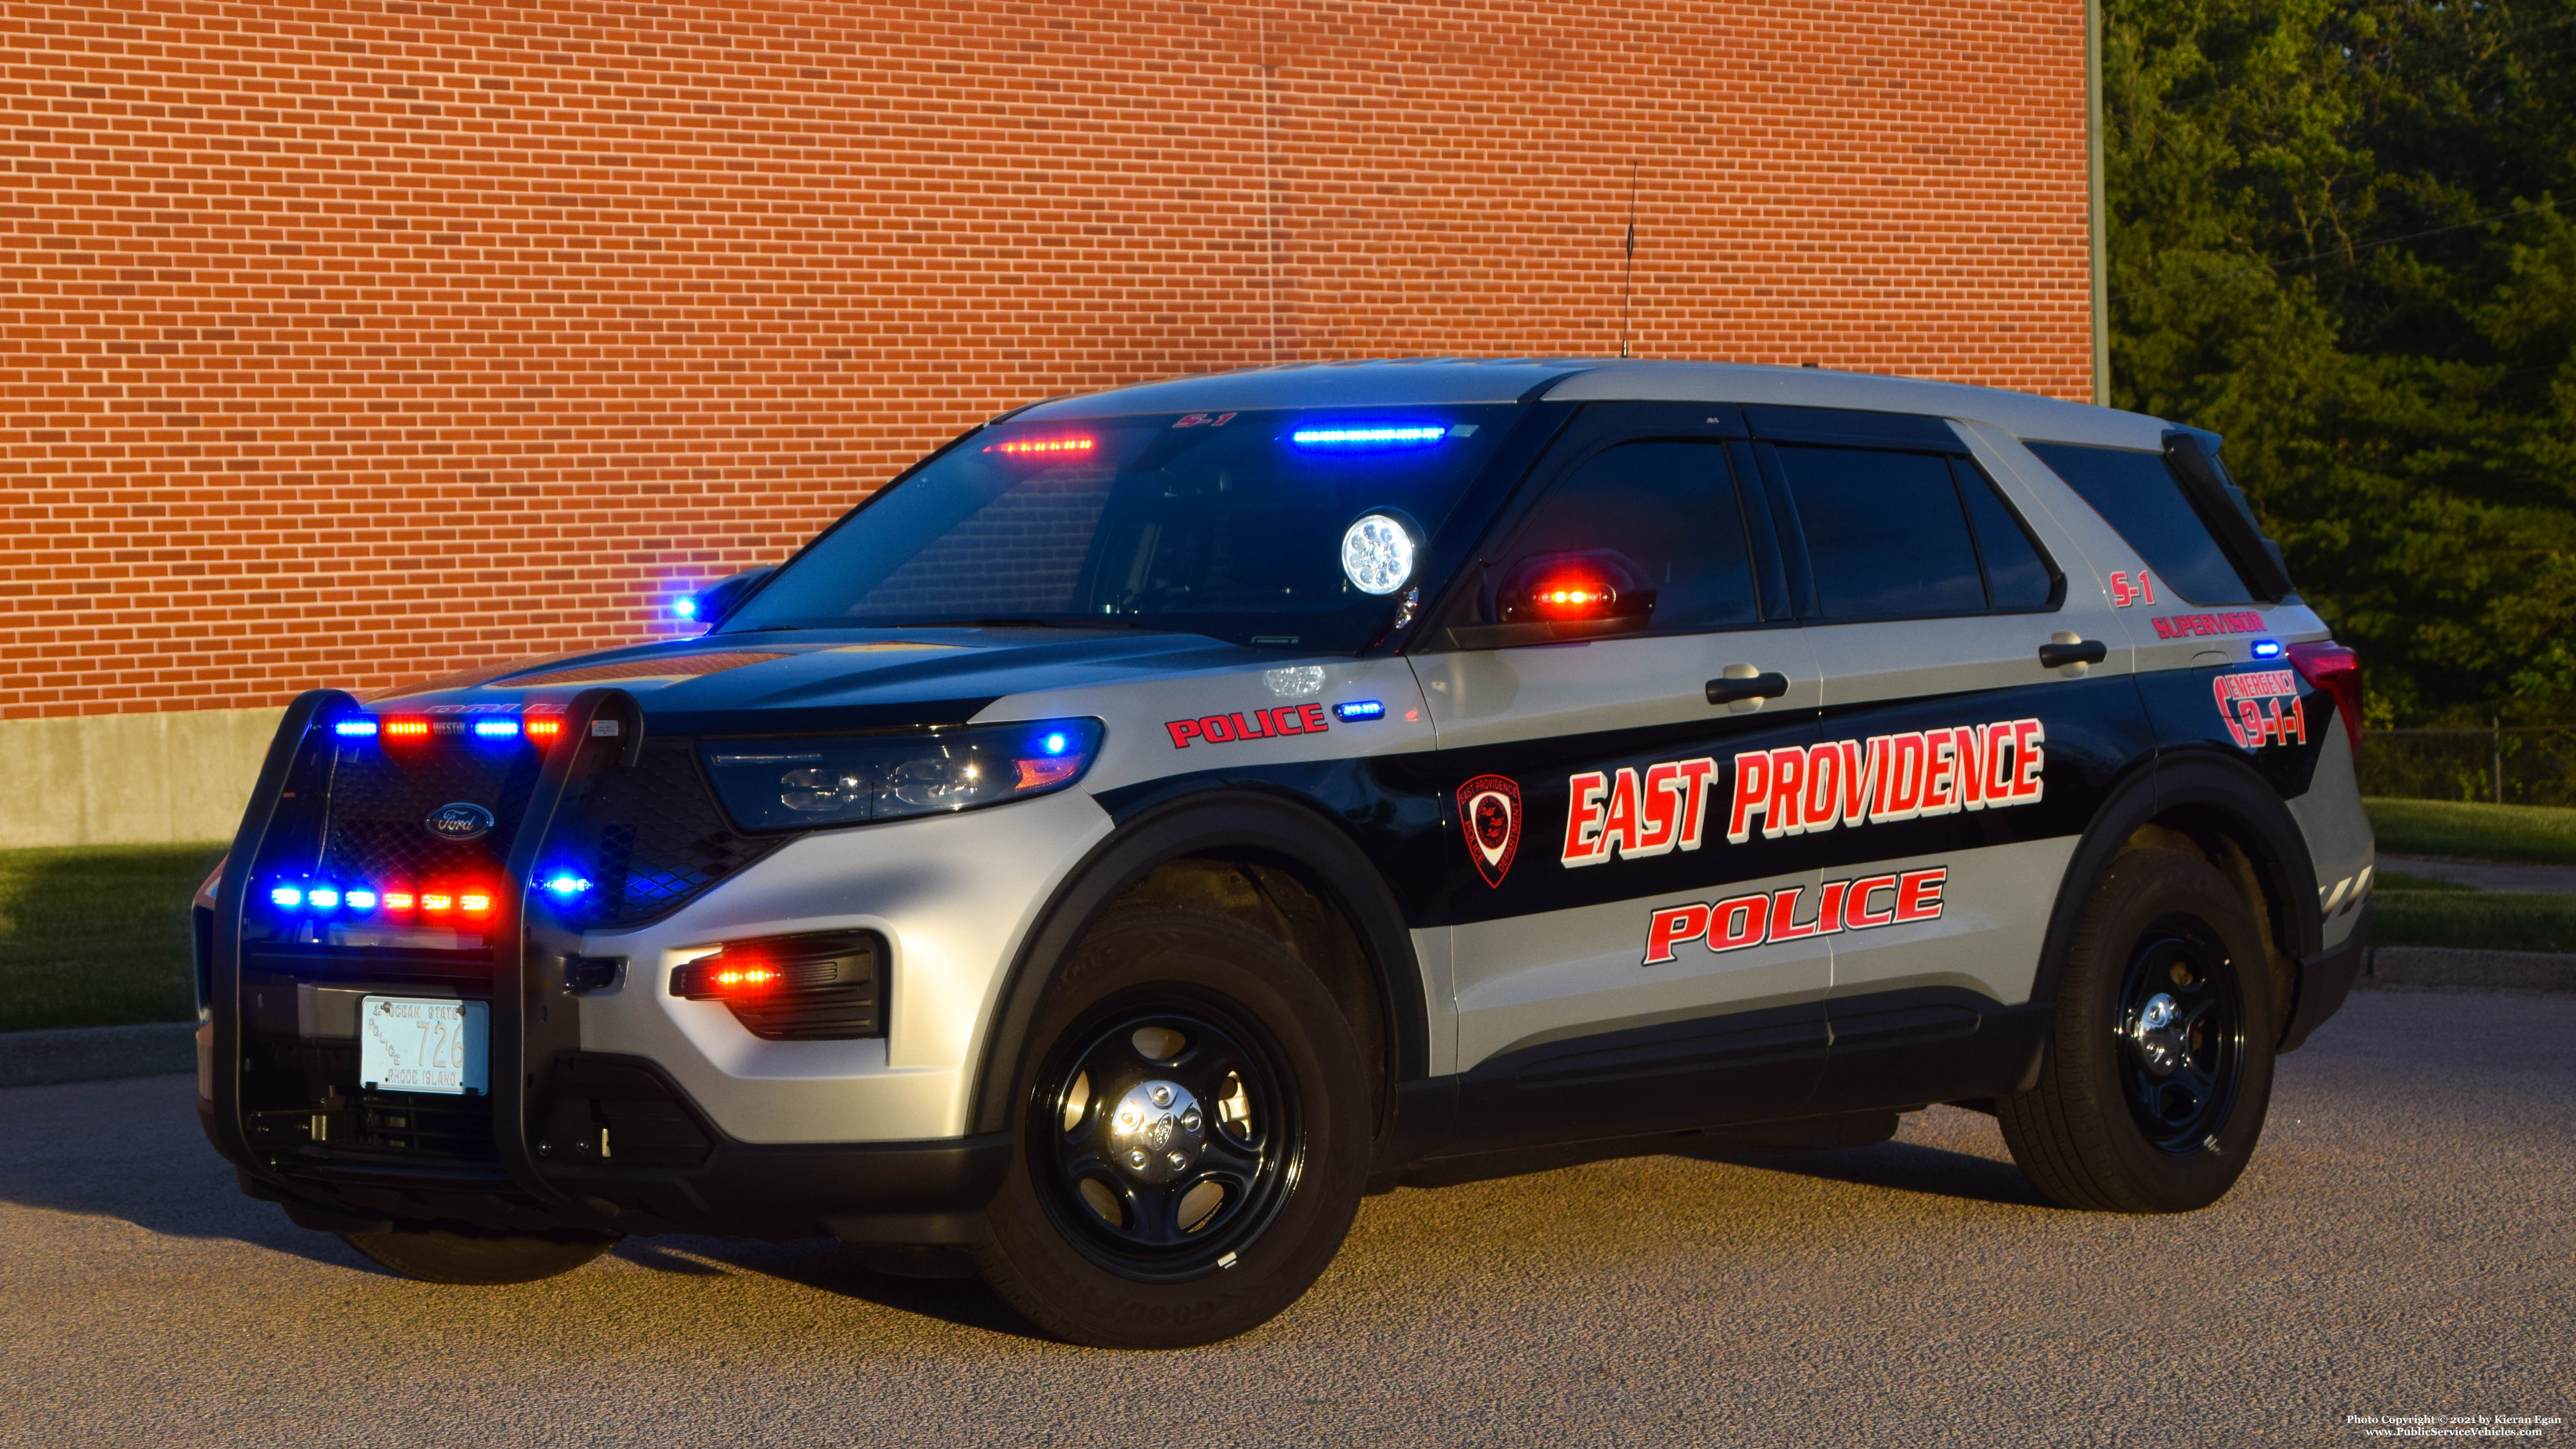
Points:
[(1377, 554)]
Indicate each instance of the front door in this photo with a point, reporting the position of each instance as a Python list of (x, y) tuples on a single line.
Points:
[(1627, 953)]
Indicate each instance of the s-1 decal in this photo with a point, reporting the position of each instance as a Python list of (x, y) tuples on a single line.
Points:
[(2254, 708), (2192, 626), (1741, 923), (2125, 593), (1887, 778), (1489, 811), (1193, 420), (1259, 724)]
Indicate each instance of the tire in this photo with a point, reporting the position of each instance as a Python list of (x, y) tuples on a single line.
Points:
[(481, 1259), (1193, 1137), (2153, 1094)]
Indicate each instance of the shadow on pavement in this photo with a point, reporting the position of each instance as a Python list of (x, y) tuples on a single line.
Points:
[(1902, 1166), (131, 1149), (847, 1272)]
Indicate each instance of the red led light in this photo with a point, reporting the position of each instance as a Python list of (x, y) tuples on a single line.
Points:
[(543, 727), (474, 902), (743, 978), (1571, 598), (406, 729), (1041, 447), (398, 900), (436, 901)]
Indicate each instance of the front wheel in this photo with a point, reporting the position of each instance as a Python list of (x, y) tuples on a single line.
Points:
[(1193, 1137), (2155, 1087)]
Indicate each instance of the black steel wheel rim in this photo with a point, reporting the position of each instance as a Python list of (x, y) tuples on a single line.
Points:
[(1166, 1135), (2181, 1030)]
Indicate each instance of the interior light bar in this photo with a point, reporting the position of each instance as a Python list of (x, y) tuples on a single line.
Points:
[(1042, 447), (1365, 438), (496, 729), (406, 729), (361, 728)]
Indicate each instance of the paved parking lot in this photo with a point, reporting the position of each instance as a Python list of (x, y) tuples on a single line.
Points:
[(2402, 1245)]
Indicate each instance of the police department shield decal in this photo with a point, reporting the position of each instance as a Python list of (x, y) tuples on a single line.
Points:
[(1489, 811)]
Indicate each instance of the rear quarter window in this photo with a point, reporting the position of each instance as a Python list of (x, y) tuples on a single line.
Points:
[(2140, 498)]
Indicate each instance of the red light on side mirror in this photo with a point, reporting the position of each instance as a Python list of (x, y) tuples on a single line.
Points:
[(1572, 599)]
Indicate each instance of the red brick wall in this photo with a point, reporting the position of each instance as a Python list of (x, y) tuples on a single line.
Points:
[(351, 343)]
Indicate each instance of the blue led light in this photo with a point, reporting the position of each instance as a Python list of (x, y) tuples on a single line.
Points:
[(355, 729), (324, 898), (1360, 709), (2267, 648), (1054, 744), (1363, 437), (497, 729), (287, 896), (567, 885), (360, 900), (685, 607)]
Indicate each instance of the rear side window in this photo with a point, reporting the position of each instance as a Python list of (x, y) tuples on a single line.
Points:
[(1659, 516), (2138, 496)]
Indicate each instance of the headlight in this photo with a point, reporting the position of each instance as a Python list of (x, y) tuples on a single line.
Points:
[(801, 784)]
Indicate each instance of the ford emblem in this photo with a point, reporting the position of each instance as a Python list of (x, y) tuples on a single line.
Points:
[(460, 821)]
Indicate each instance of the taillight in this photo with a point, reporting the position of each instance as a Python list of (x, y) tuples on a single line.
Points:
[(2331, 667)]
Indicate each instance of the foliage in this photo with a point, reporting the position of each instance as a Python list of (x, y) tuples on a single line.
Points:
[(2473, 920), (98, 935), (2534, 834), (2336, 239)]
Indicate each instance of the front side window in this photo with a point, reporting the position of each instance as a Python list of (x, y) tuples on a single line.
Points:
[(2138, 495), (1653, 526), (1233, 525)]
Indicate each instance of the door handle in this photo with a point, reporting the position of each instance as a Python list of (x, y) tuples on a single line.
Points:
[(1731, 690), (2060, 652)]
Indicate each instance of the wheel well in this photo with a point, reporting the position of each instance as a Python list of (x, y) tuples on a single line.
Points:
[(2242, 859), (1282, 903)]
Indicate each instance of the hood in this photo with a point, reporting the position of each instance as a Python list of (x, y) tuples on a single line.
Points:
[(833, 679)]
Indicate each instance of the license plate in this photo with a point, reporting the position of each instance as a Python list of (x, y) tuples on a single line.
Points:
[(413, 1044)]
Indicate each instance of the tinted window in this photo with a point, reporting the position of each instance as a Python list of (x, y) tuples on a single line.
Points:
[(2016, 576), (1229, 525), (1886, 536), (2136, 494), (1666, 514)]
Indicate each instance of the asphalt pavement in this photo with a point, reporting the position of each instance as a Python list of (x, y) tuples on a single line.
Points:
[(2401, 1245)]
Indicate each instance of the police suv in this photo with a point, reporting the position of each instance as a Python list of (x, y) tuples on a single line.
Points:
[(1161, 817)]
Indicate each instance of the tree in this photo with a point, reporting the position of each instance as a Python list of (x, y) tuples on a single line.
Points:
[(2336, 239)]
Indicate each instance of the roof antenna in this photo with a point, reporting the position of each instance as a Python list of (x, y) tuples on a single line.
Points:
[(1628, 283)]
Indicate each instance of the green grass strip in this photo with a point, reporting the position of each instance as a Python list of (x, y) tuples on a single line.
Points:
[(2536, 834), (2473, 920), (97, 935)]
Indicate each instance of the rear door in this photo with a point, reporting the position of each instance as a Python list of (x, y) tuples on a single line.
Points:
[(1976, 701), (1606, 931)]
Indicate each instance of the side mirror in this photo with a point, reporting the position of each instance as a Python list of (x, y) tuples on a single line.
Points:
[(710, 605), (1562, 596)]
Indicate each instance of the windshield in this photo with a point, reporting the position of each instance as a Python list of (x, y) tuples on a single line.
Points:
[(1232, 525)]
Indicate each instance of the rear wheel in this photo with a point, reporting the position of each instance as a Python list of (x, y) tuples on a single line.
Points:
[(1193, 1137), (477, 1258), (2154, 1090)]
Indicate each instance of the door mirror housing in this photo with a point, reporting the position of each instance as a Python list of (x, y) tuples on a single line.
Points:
[(710, 605)]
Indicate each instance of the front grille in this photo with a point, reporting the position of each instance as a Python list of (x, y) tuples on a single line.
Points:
[(649, 838), (381, 795)]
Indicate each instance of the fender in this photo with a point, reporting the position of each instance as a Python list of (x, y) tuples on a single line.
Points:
[(2206, 780), (1284, 830)]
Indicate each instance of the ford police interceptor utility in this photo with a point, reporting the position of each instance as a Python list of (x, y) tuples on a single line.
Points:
[(1161, 817)]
